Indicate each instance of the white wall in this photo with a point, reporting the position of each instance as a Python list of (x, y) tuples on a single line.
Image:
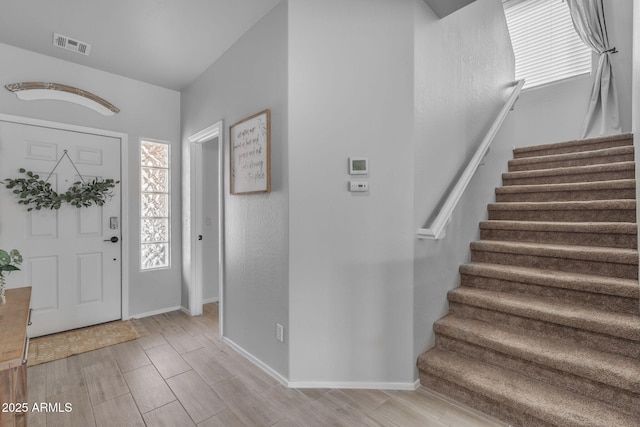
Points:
[(636, 69), (555, 112), (250, 77), (464, 73), (147, 111), (350, 268), (635, 87)]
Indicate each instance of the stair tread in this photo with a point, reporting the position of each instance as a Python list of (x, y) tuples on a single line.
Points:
[(552, 305), (574, 227), (572, 186), (546, 402), (611, 323), (583, 282), (611, 369), (571, 170), (573, 156), (571, 205), (572, 143), (591, 253)]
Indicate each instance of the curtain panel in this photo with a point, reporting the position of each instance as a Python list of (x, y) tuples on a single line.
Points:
[(603, 117)]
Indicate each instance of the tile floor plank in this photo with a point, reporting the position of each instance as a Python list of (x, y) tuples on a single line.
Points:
[(130, 356), (206, 365), (170, 415), (402, 415), (37, 382), (36, 393), (80, 412), (300, 409), (148, 377), (347, 414), (104, 381), (251, 408), (180, 339), (364, 400), (64, 375), (118, 412), (148, 388), (197, 397), (167, 361), (96, 356), (224, 418)]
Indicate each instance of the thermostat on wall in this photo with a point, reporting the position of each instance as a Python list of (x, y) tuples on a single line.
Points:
[(358, 166)]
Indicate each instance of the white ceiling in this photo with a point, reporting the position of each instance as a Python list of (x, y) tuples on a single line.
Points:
[(168, 43), (443, 8)]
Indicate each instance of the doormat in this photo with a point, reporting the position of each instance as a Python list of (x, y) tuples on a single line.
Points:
[(64, 344)]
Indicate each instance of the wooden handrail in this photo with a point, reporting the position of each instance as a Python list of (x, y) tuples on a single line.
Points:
[(437, 229)]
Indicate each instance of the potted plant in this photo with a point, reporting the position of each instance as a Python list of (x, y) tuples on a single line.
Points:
[(9, 262)]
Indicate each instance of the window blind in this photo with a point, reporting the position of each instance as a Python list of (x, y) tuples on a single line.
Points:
[(546, 46)]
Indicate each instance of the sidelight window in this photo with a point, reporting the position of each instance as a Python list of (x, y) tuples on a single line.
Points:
[(154, 205)]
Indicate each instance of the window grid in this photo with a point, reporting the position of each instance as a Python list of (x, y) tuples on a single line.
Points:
[(154, 205), (546, 46)]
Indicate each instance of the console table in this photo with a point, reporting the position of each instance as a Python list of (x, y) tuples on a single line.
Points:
[(14, 345)]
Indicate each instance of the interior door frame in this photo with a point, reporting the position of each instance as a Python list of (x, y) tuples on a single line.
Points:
[(124, 192), (210, 134)]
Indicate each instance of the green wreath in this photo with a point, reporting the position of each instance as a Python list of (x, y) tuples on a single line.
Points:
[(37, 193)]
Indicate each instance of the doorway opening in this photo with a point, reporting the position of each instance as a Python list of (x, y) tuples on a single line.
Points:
[(207, 220)]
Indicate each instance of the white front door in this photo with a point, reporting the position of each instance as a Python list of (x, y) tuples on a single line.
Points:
[(70, 262)]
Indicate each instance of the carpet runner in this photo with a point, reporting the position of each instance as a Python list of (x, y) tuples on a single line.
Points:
[(544, 329)]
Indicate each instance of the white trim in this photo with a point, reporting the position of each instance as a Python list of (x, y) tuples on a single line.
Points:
[(156, 312), (320, 384), (213, 132), (210, 300), (124, 191), (436, 231), (356, 385), (259, 363), (207, 134)]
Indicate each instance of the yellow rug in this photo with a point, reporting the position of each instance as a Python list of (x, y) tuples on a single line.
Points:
[(64, 344)]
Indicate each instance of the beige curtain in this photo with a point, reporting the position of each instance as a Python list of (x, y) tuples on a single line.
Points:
[(603, 117)]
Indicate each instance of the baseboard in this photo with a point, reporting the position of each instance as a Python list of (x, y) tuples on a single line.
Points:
[(318, 384), (185, 310), (207, 301), (356, 385), (259, 363), (153, 313)]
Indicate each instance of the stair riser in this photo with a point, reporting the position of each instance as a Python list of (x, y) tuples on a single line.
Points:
[(567, 178), (629, 241), (565, 215), (610, 394), (610, 269), (573, 148), (515, 166), (515, 417), (589, 299), (568, 196), (580, 337)]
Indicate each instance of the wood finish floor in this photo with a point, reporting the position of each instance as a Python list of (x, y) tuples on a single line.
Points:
[(182, 374)]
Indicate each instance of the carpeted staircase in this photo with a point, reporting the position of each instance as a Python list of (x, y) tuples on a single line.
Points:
[(545, 327)]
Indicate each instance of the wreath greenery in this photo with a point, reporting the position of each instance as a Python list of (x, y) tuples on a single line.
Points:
[(38, 194)]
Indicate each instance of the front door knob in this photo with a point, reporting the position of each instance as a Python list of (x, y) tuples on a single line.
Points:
[(114, 239)]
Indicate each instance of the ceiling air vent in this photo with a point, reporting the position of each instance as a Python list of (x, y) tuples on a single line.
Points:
[(73, 45)]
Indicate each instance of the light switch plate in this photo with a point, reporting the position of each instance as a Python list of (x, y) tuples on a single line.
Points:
[(358, 186)]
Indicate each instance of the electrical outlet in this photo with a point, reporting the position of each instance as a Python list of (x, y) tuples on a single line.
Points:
[(279, 332)]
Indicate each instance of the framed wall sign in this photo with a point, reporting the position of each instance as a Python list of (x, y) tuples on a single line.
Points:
[(250, 154)]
